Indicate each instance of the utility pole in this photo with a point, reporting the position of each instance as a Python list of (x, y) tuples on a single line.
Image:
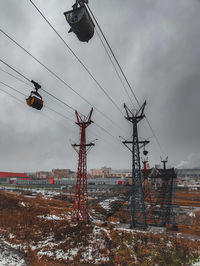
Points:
[(80, 210), (138, 215), (164, 162)]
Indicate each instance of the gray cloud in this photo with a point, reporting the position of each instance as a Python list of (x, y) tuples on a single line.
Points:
[(157, 43)]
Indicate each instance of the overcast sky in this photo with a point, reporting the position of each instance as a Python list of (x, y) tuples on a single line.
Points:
[(157, 44)]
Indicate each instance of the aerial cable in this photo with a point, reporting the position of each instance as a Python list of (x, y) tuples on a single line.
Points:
[(13, 88), (39, 113), (61, 80), (103, 129), (156, 138), (88, 71), (58, 113), (15, 77), (106, 131), (44, 105), (32, 87), (111, 60), (46, 92), (12, 96), (58, 99), (113, 54), (50, 110), (14, 70)]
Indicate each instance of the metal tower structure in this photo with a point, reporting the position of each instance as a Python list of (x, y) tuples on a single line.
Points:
[(162, 187), (164, 162), (80, 210), (138, 215), (145, 161)]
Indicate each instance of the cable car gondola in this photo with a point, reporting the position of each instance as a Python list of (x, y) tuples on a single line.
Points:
[(80, 21), (35, 99)]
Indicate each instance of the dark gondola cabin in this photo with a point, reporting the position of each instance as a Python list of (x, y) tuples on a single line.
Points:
[(81, 23)]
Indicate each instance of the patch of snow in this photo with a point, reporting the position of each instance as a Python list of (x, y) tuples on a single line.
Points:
[(11, 236), (196, 263), (10, 256), (169, 244), (45, 253), (106, 203), (50, 217)]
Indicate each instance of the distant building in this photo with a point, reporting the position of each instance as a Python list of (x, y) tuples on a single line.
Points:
[(188, 178), (127, 174), (189, 174), (13, 175), (106, 172), (43, 175), (103, 172), (8, 177), (62, 173), (158, 166)]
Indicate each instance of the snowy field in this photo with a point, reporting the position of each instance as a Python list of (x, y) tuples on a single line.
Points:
[(10, 256)]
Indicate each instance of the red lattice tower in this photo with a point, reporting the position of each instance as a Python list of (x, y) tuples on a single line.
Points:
[(145, 161), (80, 210)]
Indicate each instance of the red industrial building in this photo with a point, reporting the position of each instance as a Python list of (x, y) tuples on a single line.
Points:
[(9, 174), (9, 177)]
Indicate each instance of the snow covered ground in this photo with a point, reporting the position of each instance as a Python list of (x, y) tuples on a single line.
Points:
[(45, 192), (196, 263), (106, 203), (10, 256)]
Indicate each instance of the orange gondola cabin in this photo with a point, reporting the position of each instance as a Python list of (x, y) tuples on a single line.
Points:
[(35, 99)]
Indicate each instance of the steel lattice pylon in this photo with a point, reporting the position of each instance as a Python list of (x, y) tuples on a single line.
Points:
[(138, 215), (80, 210), (159, 185)]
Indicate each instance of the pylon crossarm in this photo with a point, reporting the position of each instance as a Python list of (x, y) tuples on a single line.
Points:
[(140, 112), (125, 144), (77, 117), (127, 111), (89, 116)]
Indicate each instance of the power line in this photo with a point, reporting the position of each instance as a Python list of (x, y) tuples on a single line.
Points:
[(113, 54), (106, 131), (39, 113), (111, 60), (61, 80), (52, 96), (14, 70), (58, 113), (48, 108), (13, 88), (156, 138), (12, 96), (21, 102), (44, 105), (103, 129), (74, 54), (31, 86), (15, 77)]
